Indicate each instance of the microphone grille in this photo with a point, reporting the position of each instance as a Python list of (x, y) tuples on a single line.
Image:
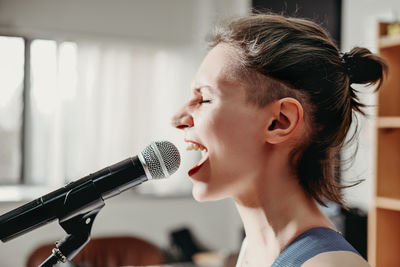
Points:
[(162, 159)]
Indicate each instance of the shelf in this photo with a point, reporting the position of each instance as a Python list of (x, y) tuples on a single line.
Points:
[(384, 217), (388, 163), (388, 238), (389, 94), (388, 122), (389, 41), (388, 203)]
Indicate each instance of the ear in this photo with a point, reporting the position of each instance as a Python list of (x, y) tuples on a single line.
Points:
[(287, 114)]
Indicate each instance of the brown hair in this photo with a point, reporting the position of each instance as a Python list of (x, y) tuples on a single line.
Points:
[(292, 57)]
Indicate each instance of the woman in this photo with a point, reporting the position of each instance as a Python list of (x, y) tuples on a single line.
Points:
[(271, 106)]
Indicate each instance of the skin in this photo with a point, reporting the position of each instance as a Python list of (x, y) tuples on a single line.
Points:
[(247, 159)]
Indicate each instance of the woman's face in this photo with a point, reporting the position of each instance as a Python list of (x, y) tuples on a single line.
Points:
[(229, 131)]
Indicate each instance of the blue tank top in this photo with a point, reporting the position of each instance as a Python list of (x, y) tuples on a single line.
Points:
[(310, 244)]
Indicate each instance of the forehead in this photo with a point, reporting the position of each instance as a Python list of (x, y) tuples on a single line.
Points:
[(219, 69)]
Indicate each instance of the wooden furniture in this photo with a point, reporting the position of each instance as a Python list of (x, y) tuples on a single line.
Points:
[(107, 252), (384, 217)]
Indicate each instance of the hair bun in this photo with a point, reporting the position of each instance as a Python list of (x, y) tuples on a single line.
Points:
[(363, 67)]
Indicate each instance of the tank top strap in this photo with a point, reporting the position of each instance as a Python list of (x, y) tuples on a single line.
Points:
[(310, 244)]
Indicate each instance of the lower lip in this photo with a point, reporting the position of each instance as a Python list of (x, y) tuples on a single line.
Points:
[(198, 165), (194, 170)]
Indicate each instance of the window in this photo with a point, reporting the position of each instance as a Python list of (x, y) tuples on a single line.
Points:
[(28, 89), (86, 105)]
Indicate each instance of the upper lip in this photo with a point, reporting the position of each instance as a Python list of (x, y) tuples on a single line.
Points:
[(194, 142)]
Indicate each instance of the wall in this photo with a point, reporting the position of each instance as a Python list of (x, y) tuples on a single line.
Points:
[(124, 18), (172, 23), (359, 28)]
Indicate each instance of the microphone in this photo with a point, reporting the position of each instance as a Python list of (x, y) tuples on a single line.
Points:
[(158, 160)]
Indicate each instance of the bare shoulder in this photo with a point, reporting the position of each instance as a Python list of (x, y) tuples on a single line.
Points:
[(336, 258)]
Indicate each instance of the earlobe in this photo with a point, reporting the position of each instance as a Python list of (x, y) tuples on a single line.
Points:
[(287, 114)]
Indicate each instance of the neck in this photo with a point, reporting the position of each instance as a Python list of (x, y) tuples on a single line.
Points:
[(273, 215)]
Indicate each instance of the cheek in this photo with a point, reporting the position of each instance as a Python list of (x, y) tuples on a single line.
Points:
[(221, 122), (242, 149), (238, 130), (211, 125), (230, 133)]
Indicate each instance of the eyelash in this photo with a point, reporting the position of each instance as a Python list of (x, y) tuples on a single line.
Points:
[(205, 101)]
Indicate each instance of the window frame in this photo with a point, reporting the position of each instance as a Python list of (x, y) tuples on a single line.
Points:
[(21, 180)]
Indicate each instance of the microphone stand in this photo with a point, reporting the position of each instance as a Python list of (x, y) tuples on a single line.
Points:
[(78, 228)]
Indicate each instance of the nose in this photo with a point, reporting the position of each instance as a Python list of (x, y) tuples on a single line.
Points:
[(182, 119)]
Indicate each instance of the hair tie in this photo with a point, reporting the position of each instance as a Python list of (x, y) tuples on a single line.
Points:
[(349, 65)]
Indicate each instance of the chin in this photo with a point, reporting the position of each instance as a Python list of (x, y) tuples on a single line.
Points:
[(202, 193)]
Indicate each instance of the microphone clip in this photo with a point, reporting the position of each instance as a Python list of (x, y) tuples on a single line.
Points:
[(78, 229)]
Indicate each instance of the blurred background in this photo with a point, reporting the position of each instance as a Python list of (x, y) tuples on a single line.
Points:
[(84, 84)]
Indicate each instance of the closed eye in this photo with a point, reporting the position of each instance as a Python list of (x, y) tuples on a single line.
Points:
[(205, 101)]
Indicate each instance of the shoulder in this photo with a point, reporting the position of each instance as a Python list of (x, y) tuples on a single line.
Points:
[(336, 258)]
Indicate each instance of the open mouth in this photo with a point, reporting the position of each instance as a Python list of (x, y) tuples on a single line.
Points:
[(204, 153)]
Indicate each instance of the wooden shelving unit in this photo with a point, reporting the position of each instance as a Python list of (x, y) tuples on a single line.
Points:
[(384, 217)]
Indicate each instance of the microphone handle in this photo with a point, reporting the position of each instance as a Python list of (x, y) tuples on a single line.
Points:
[(76, 197)]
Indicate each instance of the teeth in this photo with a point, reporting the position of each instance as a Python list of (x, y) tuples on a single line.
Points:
[(192, 146)]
